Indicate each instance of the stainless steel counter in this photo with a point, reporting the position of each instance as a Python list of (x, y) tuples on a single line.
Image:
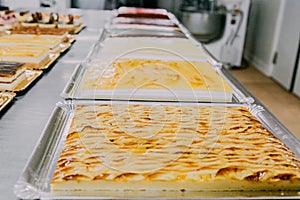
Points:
[(23, 123)]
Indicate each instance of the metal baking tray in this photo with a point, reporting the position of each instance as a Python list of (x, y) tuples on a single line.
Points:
[(73, 88), (34, 182)]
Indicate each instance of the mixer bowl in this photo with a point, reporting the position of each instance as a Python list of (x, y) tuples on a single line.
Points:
[(206, 26)]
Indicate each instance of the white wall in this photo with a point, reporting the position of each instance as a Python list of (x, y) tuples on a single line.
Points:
[(297, 81), (288, 44), (13, 4), (262, 35)]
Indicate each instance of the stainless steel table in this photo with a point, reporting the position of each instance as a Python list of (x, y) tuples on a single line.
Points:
[(23, 123)]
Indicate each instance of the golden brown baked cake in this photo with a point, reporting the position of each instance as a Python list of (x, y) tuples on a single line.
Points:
[(171, 147), (156, 79)]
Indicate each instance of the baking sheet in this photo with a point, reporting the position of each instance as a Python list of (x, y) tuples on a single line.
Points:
[(5, 99), (34, 181)]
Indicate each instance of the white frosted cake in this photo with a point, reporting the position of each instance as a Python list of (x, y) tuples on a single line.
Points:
[(179, 48)]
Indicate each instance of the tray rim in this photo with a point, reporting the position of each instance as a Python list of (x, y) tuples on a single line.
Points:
[(69, 91), (32, 192), (10, 96), (61, 117)]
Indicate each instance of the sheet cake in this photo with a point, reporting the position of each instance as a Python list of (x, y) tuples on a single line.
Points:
[(171, 147), (155, 79), (37, 56), (178, 48), (52, 42), (11, 74)]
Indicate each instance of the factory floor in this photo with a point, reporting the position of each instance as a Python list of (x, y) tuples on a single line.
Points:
[(283, 104)]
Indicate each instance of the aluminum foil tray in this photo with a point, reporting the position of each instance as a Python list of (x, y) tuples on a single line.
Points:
[(73, 90), (34, 182)]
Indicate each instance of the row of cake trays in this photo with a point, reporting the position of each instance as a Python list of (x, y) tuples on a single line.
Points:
[(29, 21), (37, 175), (174, 44), (104, 52), (33, 73), (31, 76), (35, 180)]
